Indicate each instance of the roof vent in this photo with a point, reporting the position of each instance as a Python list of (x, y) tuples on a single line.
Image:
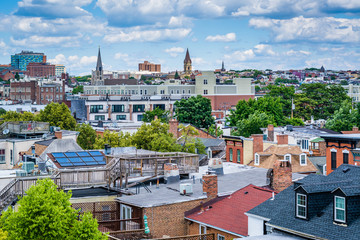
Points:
[(346, 169)]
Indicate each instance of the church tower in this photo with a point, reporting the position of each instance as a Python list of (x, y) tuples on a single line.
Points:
[(97, 75), (187, 63)]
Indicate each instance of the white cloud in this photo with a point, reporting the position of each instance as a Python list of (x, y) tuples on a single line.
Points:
[(74, 62), (297, 53), (326, 29), (174, 51), (230, 37), (40, 41), (121, 55), (264, 49), (117, 35)]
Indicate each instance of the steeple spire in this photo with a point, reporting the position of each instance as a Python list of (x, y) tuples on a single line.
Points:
[(222, 67), (99, 62), (187, 57)]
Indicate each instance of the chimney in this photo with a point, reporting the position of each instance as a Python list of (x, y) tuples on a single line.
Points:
[(257, 143), (270, 132), (210, 185), (173, 127), (282, 175), (282, 139), (171, 172), (355, 129), (58, 134)]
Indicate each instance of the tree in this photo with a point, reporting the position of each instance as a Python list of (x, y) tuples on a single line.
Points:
[(46, 213), (163, 115), (285, 93), (114, 139), (195, 110), (304, 106), (86, 137), (17, 76), (3, 235), (215, 132), (58, 115), (177, 75), (78, 89), (189, 142), (2, 111), (252, 124), (344, 118), (11, 116)]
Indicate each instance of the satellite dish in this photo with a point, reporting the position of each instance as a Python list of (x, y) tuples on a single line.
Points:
[(44, 135), (6, 131)]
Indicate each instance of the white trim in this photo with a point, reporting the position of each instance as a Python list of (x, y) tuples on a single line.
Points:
[(219, 235), (217, 228), (345, 151), (287, 155), (303, 154), (257, 216), (257, 159), (342, 209), (333, 150), (297, 205), (202, 226), (301, 234)]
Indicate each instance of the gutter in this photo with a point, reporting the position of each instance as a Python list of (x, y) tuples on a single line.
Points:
[(257, 216), (301, 234), (217, 228)]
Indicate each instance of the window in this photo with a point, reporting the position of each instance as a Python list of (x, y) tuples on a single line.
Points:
[(238, 156), (139, 108), (161, 106), (100, 117), (333, 159), (257, 159), (202, 229), (117, 108), (345, 156), (339, 211), (230, 155), (220, 237), (120, 117), (205, 91), (304, 144), (300, 205), (189, 91), (145, 91), (205, 81), (95, 108), (107, 215), (177, 91), (140, 117), (162, 91), (287, 157), (2, 156), (303, 159)]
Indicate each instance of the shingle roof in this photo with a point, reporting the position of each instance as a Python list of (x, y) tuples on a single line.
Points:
[(224, 215), (281, 211)]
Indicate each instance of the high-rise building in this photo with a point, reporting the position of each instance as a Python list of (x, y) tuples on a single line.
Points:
[(187, 63), (59, 69), (97, 75), (151, 67), (40, 70), (21, 60)]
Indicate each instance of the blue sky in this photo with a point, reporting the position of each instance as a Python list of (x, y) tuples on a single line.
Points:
[(262, 34)]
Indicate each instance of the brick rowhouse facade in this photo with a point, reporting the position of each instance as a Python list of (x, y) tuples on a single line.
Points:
[(234, 149), (23, 91), (40, 70)]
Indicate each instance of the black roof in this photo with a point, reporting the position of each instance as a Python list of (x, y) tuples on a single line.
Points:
[(92, 192), (281, 210)]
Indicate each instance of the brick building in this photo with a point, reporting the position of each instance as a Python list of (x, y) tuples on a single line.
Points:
[(174, 129), (40, 70), (23, 91), (151, 67)]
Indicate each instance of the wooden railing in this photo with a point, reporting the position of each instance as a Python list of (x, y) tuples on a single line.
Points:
[(210, 236), (120, 225)]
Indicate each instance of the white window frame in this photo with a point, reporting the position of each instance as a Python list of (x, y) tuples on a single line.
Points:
[(220, 237), (341, 209), (299, 205), (202, 227), (287, 155), (257, 159), (303, 155)]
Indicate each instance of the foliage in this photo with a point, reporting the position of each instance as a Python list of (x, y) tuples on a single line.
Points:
[(58, 115), (46, 213), (304, 106), (2, 111), (256, 73), (10, 116), (3, 235), (78, 89), (85, 78), (344, 118), (294, 121), (86, 137), (147, 82), (217, 133), (281, 81), (285, 93), (86, 228), (189, 142), (257, 88), (195, 110), (17, 76), (177, 75), (344, 82), (163, 115), (252, 124), (114, 139)]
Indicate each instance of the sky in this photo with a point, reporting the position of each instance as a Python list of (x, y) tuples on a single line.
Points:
[(260, 34)]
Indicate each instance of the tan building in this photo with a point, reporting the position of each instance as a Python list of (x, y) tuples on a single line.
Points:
[(151, 67)]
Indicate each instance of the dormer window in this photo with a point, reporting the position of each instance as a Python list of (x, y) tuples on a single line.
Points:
[(257, 159), (303, 159), (287, 157), (339, 209), (301, 205)]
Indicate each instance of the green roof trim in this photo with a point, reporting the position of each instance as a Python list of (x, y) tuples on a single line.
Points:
[(316, 140)]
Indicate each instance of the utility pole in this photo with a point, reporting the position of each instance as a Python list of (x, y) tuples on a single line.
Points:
[(292, 108)]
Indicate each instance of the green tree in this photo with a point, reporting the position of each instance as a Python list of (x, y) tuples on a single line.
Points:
[(215, 132), (195, 110), (2, 111), (252, 124), (163, 115), (3, 235), (17, 76), (46, 213), (189, 142), (177, 75), (78, 89), (344, 118), (11, 116), (285, 93), (114, 139), (58, 115), (86, 228), (304, 106), (86, 137)]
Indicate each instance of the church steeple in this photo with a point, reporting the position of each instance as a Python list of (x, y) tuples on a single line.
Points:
[(99, 62), (187, 63), (223, 67), (97, 75), (187, 57)]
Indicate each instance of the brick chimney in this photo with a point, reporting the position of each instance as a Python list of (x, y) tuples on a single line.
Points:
[(173, 127), (355, 129), (282, 139), (270, 132), (257, 143), (282, 175), (58, 134), (210, 185)]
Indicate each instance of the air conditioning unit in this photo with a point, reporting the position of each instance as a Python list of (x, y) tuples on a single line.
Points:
[(186, 188)]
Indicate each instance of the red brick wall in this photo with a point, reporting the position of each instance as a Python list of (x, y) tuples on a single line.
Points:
[(193, 229), (339, 155), (210, 185), (234, 145), (270, 132), (282, 175), (225, 102), (282, 139), (173, 127), (257, 143)]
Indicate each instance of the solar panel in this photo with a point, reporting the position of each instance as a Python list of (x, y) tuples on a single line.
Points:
[(58, 154), (76, 160), (78, 163), (62, 160), (71, 154), (91, 163), (95, 153), (87, 159), (66, 164), (83, 154), (99, 158), (103, 162)]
